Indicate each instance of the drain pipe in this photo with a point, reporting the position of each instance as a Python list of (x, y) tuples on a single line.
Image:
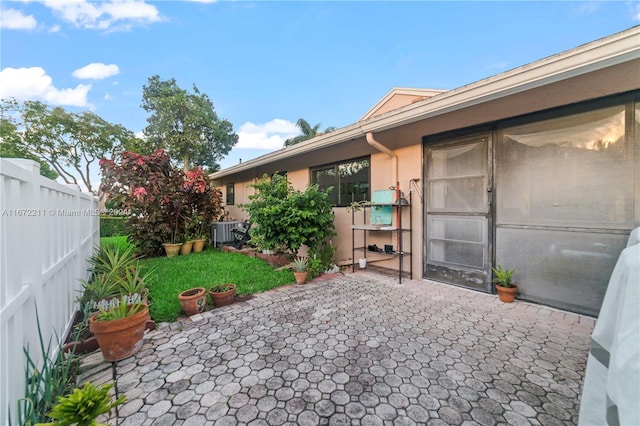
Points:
[(394, 172)]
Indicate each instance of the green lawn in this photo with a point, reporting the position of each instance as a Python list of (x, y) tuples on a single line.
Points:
[(213, 266)]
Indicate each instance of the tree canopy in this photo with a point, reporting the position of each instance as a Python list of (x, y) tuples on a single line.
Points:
[(308, 132), (70, 143), (185, 124), (10, 146)]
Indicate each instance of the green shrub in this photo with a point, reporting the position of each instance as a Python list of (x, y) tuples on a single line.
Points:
[(284, 217), (112, 226)]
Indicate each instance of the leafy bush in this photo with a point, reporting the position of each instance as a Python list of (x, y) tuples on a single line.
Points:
[(288, 218), (166, 203), (112, 226)]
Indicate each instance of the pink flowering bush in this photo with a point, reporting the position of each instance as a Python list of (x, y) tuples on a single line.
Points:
[(166, 204)]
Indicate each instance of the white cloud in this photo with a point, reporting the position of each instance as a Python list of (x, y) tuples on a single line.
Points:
[(268, 136), (13, 19), (114, 14), (635, 11), (96, 71), (496, 65), (34, 84)]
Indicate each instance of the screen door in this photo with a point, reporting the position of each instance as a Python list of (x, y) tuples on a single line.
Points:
[(458, 213)]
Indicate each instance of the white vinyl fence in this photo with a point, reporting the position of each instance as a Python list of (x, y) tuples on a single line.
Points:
[(47, 232)]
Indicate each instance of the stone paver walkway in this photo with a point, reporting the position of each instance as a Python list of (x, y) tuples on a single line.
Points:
[(362, 350)]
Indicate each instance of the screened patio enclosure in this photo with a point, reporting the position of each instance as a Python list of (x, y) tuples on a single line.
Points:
[(553, 195)]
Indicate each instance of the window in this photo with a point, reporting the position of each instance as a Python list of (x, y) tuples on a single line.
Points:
[(231, 198), (349, 180)]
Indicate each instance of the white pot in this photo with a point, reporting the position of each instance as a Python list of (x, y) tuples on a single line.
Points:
[(363, 262), (267, 251)]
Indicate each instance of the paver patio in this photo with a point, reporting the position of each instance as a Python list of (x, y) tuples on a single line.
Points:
[(359, 349)]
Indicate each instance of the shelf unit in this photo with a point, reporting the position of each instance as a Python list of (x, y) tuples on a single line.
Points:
[(394, 229)]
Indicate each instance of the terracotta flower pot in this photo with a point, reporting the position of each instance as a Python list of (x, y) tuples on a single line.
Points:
[(193, 301), (507, 294), (186, 247), (301, 277), (222, 298), (172, 250), (121, 338), (198, 246)]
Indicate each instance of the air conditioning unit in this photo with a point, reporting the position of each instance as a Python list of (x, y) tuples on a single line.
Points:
[(221, 232)]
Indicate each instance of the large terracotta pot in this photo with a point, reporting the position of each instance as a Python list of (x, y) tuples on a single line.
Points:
[(172, 250), (507, 294), (193, 301), (121, 338), (222, 298), (198, 246), (186, 247)]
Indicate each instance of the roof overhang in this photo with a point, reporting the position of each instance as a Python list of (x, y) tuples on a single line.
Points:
[(603, 53)]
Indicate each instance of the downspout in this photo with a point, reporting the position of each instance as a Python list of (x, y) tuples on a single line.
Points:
[(394, 172)]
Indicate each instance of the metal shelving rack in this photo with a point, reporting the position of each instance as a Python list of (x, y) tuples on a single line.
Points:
[(398, 229)]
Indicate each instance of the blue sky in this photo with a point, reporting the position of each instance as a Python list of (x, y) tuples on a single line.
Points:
[(266, 64)]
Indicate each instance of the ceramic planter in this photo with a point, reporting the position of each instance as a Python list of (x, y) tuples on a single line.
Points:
[(186, 247), (198, 246), (301, 277), (222, 298), (172, 250), (193, 301), (121, 338), (507, 294)]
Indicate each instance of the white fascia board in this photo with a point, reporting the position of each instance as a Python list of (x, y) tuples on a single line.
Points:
[(612, 50)]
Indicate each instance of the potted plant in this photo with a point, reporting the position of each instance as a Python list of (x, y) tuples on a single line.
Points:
[(201, 236), (193, 301), (300, 269), (222, 294), (187, 245), (172, 248), (503, 278), (120, 330), (84, 406)]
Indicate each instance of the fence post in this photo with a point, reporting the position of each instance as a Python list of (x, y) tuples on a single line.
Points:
[(25, 256)]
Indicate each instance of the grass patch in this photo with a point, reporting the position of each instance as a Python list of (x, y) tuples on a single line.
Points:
[(206, 269), (120, 242)]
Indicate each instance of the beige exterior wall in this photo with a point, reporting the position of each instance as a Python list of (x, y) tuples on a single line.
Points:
[(382, 177), (299, 178), (242, 192)]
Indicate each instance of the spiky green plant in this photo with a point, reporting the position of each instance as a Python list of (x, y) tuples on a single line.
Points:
[(45, 380), (113, 260), (120, 311), (83, 406), (503, 277), (300, 263)]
